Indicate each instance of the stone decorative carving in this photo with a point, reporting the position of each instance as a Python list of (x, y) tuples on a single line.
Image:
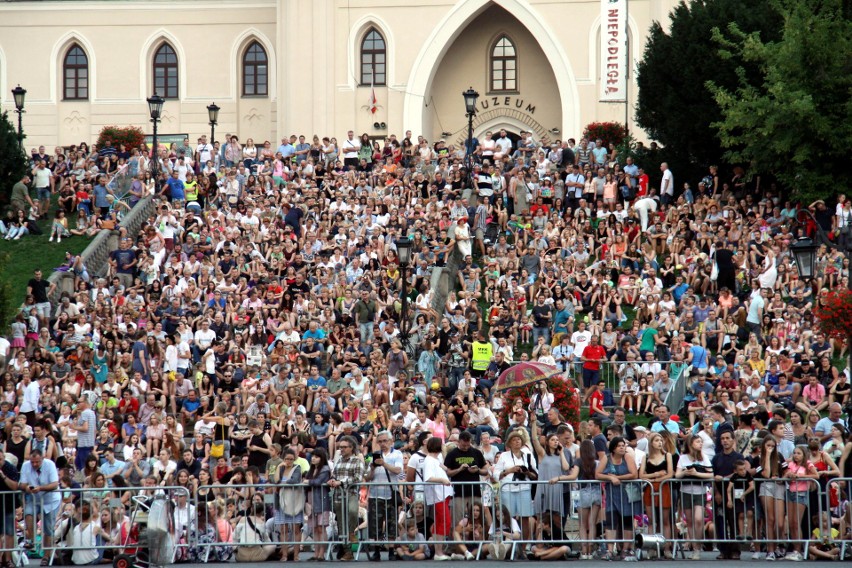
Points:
[(74, 122)]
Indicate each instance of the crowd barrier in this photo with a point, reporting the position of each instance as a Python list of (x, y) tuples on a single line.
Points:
[(513, 520)]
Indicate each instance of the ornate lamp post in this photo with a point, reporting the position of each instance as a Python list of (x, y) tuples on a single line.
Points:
[(403, 250), (470, 97), (155, 109), (19, 93), (213, 114), (805, 254)]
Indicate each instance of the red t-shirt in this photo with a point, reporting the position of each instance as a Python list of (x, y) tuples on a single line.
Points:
[(593, 352), (643, 185), (596, 401)]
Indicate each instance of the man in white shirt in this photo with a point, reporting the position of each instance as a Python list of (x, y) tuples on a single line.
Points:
[(203, 338), (667, 185), (504, 144), (574, 184), (29, 404), (204, 151), (350, 148), (580, 339), (184, 515)]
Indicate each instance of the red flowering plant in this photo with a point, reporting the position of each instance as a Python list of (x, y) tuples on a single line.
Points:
[(834, 313), (565, 399), (130, 136), (607, 132)]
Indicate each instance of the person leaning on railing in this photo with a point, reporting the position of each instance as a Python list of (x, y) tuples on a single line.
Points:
[(8, 500)]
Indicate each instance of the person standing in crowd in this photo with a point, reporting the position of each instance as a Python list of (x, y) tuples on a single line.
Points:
[(282, 268), (39, 482), (348, 471)]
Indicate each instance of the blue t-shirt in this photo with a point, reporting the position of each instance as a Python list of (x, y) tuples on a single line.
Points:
[(191, 405), (316, 383), (176, 188)]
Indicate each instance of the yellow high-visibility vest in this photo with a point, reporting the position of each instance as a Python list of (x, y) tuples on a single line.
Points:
[(482, 353)]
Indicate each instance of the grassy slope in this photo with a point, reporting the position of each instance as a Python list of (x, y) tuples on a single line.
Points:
[(34, 251)]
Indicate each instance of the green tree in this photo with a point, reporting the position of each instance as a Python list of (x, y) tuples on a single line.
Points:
[(13, 160), (794, 120), (7, 307), (674, 105)]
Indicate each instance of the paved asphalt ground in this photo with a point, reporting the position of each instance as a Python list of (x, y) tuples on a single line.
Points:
[(706, 559)]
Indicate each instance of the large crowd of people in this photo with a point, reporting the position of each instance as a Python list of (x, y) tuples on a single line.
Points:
[(252, 336)]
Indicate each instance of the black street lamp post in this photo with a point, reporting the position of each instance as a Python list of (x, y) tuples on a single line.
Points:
[(470, 97), (213, 114), (19, 94), (403, 251), (805, 254), (155, 108)]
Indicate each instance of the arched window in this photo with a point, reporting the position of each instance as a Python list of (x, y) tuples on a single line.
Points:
[(504, 65), (166, 72), (373, 58), (255, 71), (75, 74)]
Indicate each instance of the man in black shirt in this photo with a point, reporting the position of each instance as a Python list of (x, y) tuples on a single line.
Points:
[(40, 290), (723, 467), (190, 464), (542, 317), (465, 467)]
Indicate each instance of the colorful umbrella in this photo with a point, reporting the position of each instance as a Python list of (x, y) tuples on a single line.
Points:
[(524, 374)]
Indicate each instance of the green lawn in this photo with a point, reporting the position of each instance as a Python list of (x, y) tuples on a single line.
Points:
[(34, 251)]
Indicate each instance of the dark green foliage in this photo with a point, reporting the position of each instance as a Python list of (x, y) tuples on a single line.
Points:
[(675, 106), (793, 118), (13, 160)]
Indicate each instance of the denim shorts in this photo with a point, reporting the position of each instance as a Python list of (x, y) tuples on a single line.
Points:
[(43, 193), (33, 506), (799, 497)]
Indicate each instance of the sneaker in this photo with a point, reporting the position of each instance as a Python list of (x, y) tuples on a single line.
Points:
[(441, 557), (58, 239), (770, 556), (50, 240), (758, 555), (794, 557), (696, 555), (667, 554), (630, 557), (468, 555), (456, 556)]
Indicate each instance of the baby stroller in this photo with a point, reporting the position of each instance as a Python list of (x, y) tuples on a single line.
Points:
[(148, 538)]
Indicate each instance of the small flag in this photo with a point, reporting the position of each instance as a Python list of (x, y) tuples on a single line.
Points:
[(372, 102)]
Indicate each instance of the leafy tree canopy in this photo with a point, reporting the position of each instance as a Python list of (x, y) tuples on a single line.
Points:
[(13, 160), (794, 118), (674, 106)]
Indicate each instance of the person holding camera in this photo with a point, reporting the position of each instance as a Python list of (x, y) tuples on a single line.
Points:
[(515, 468), (384, 470)]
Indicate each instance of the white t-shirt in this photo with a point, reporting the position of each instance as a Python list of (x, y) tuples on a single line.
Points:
[(580, 339), (434, 492), (667, 185), (203, 339), (351, 147)]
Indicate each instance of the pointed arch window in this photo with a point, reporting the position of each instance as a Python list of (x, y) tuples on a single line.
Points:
[(373, 58), (75, 74), (166, 72), (255, 71), (504, 65)]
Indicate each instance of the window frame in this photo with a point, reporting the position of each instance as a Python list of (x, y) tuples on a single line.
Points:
[(166, 67), (254, 67), (367, 57), (502, 60), (72, 71)]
